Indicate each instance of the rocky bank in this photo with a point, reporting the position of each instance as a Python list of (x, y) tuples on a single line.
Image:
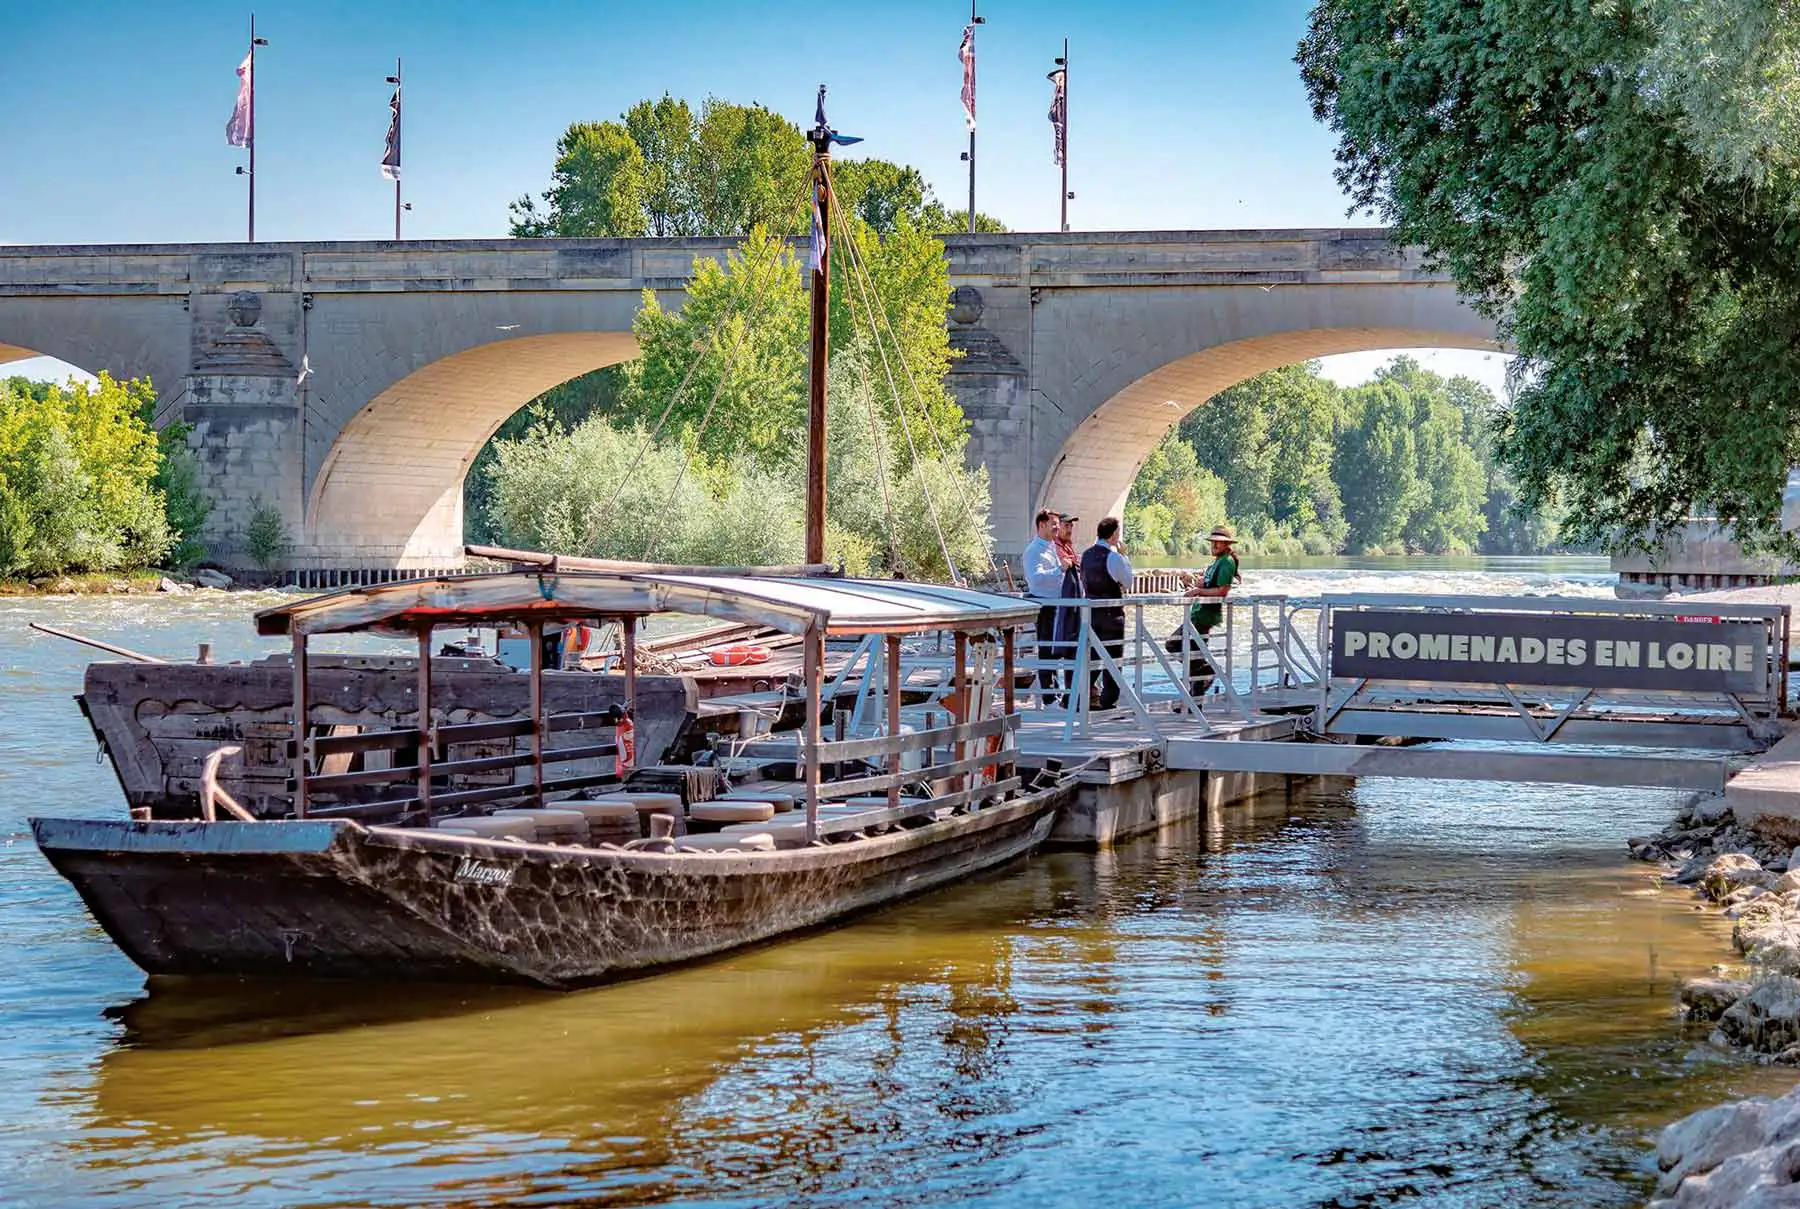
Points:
[(1744, 1154)]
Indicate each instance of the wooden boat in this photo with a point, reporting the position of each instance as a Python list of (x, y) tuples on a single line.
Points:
[(382, 889)]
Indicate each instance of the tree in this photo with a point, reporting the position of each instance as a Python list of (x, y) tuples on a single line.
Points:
[(1614, 183), (1174, 501), (77, 470), (1377, 465), (660, 171)]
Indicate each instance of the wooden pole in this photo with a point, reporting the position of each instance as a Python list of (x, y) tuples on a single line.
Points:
[(893, 716), (301, 755), (960, 682), (813, 659), (425, 719), (1009, 664), (819, 351), (535, 631)]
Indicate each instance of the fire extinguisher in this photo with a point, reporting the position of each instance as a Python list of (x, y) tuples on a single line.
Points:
[(627, 743)]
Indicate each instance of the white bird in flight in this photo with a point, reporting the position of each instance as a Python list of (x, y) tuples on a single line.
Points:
[(305, 370), (505, 327)]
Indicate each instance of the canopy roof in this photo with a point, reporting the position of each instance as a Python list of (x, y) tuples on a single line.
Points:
[(791, 605)]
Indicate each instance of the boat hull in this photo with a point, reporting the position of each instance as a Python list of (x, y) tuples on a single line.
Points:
[(333, 899)]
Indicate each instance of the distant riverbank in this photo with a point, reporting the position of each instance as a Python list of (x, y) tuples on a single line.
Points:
[(92, 583)]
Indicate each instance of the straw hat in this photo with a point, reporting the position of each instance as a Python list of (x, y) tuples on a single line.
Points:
[(1222, 533)]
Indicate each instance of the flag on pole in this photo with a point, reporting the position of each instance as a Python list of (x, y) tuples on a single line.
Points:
[(1059, 114), (967, 55), (237, 130), (390, 159)]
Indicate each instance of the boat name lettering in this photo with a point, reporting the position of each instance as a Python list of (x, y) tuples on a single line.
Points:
[(484, 874)]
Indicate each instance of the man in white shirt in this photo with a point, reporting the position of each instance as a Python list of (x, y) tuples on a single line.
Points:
[(1044, 567)]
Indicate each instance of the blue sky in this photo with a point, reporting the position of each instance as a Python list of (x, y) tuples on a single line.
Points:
[(1182, 115)]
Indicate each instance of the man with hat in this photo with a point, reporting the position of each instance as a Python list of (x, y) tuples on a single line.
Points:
[(1214, 586)]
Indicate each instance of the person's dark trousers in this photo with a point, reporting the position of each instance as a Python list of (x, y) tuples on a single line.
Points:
[(1049, 679), (1200, 673), (1109, 629)]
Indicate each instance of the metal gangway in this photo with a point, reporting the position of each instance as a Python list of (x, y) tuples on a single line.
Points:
[(1273, 658)]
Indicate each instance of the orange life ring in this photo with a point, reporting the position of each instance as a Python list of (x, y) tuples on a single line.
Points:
[(738, 656)]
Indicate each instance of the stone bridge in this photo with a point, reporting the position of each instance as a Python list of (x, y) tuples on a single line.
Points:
[(350, 385)]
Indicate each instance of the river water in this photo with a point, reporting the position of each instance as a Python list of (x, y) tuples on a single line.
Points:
[(1388, 993)]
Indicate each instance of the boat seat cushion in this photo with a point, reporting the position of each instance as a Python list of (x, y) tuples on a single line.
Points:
[(503, 827), (731, 812)]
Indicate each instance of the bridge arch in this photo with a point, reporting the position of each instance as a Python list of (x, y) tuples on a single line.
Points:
[(1090, 470), (390, 488)]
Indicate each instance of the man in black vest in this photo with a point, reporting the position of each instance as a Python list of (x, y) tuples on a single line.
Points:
[(1105, 575)]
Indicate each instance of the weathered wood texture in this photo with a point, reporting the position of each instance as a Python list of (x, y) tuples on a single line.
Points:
[(160, 723)]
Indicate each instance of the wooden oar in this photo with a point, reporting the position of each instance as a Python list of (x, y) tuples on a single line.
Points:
[(109, 648)]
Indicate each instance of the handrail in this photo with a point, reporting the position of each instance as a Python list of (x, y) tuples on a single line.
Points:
[(839, 750)]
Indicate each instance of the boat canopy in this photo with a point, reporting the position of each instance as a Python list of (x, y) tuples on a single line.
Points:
[(846, 607)]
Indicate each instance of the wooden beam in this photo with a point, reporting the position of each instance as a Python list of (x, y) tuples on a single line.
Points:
[(960, 679), (813, 661), (893, 716), (301, 710), (535, 632), (565, 562), (425, 717)]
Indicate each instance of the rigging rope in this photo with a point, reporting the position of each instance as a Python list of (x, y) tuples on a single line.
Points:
[(710, 341), (899, 410)]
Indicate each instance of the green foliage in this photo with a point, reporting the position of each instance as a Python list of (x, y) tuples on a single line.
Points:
[(184, 503), (1616, 183), (662, 171), (1406, 462), (571, 491), (729, 368), (266, 538), (77, 471)]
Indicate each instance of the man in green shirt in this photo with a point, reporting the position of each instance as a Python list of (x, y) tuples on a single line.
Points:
[(1214, 586)]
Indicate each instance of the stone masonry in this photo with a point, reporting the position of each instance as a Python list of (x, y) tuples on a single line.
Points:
[(350, 385)]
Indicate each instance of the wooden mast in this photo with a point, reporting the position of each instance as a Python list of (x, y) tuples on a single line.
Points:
[(819, 259)]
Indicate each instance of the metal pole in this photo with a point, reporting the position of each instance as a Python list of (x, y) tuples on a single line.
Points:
[(821, 323), (1065, 134)]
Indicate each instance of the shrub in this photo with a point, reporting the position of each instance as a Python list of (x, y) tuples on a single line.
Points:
[(266, 536)]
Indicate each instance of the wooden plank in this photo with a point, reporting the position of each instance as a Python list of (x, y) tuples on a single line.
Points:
[(892, 814), (451, 768), (881, 782), (881, 745), (460, 797), (461, 732)]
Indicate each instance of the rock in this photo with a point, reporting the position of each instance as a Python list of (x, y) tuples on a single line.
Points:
[(1692, 871), (1730, 870), (206, 577), (1766, 1020), (1772, 942), (174, 588), (62, 585), (118, 587), (1743, 895), (1709, 998), (1788, 881), (1794, 859), (1699, 1142), (1711, 809)]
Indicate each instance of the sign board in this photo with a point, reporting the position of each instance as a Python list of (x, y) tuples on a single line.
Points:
[(1574, 651)]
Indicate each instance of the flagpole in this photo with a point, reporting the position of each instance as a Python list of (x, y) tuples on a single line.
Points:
[(398, 99), (820, 138), (250, 131), (973, 20), (1064, 64), (251, 139)]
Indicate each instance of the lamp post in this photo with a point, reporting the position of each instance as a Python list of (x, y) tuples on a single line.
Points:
[(1062, 67)]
